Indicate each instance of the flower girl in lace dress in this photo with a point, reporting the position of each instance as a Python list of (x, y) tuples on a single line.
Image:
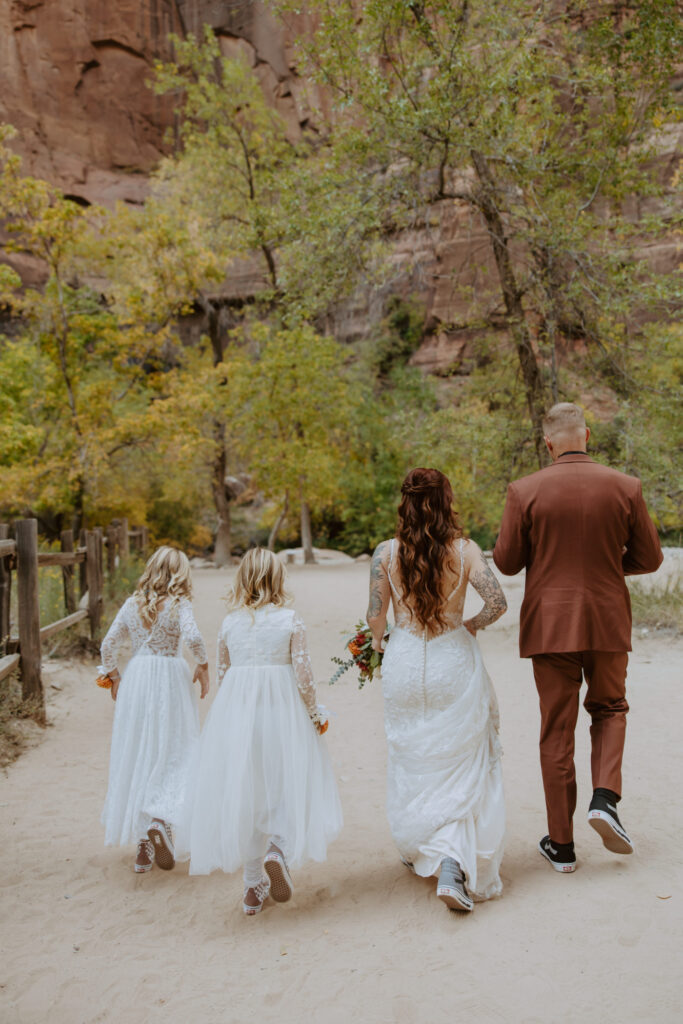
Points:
[(156, 724), (264, 795)]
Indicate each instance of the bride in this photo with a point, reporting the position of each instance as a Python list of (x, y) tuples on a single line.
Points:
[(445, 791)]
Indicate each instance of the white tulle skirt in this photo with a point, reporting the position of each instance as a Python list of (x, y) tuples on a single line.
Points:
[(156, 729), (262, 771), (445, 786)]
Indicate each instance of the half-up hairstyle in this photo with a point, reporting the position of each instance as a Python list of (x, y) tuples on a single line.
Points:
[(427, 526), (260, 580), (166, 575)]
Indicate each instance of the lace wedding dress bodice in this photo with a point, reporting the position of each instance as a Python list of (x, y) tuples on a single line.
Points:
[(267, 636), (175, 624)]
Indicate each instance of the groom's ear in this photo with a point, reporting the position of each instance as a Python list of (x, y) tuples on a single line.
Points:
[(588, 433), (548, 443)]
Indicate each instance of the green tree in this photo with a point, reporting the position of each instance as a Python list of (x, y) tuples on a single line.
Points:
[(543, 120), (74, 387), (238, 199), (294, 406)]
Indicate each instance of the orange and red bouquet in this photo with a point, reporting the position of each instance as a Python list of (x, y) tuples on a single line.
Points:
[(366, 660), (320, 719), (104, 679)]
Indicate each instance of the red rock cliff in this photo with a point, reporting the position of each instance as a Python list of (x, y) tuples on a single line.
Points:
[(73, 77)]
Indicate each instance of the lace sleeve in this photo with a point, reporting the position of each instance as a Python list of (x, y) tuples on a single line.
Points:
[(301, 663), (222, 657), (117, 634), (191, 634)]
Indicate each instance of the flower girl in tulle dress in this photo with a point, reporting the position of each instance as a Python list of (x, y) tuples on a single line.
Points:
[(156, 724), (263, 795)]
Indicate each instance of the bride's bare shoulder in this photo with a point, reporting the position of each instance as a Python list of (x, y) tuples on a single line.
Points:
[(471, 552), (383, 549)]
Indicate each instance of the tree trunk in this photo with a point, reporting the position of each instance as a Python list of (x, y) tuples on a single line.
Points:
[(221, 501), (222, 544), (277, 525), (78, 519), (214, 327), (70, 605), (531, 374), (306, 535)]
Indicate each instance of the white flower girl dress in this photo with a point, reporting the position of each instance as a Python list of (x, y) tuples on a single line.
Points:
[(156, 722), (263, 773)]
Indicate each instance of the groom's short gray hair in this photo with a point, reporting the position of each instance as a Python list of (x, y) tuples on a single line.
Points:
[(563, 418)]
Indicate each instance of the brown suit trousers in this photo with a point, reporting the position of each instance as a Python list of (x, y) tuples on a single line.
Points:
[(577, 528), (558, 681)]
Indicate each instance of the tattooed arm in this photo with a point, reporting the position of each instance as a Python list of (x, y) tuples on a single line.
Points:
[(488, 588), (378, 605)]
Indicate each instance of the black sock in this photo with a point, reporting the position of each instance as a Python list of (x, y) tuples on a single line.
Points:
[(563, 847), (609, 794)]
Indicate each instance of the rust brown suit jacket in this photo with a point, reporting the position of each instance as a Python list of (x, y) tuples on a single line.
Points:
[(568, 526)]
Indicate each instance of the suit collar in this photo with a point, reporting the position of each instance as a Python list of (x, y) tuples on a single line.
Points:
[(574, 457)]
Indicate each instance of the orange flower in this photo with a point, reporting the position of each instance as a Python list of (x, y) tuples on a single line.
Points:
[(104, 682)]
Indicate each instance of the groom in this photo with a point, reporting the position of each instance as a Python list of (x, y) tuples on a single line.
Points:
[(578, 528)]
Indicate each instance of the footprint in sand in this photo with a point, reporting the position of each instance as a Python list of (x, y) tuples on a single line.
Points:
[(635, 929), (404, 1010)]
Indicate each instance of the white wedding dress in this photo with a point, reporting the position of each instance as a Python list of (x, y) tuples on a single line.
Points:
[(156, 721), (262, 771), (445, 789)]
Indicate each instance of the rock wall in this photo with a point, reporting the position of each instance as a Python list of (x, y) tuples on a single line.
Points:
[(74, 82)]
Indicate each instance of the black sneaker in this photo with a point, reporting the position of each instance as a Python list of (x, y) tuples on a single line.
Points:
[(602, 815), (560, 855)]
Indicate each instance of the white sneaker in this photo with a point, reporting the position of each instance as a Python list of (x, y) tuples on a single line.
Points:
[(275, 866), (161, 838)]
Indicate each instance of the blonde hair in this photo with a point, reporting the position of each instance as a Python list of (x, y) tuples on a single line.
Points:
[(167, 574), (260, 580), (563, 418)]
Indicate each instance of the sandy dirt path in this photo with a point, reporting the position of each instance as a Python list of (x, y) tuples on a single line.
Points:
[(84, 940)]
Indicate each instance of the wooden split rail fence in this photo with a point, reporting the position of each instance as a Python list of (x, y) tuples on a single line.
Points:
[(20, 555)]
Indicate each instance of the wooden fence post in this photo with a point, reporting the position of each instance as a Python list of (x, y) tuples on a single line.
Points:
[(99, 533), (5, 592), (67, 539), (82, 574), (92, 575), (124, 542), (26, 535), (112, 537)]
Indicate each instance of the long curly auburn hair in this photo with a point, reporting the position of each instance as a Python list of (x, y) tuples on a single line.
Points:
[(427, 526)]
